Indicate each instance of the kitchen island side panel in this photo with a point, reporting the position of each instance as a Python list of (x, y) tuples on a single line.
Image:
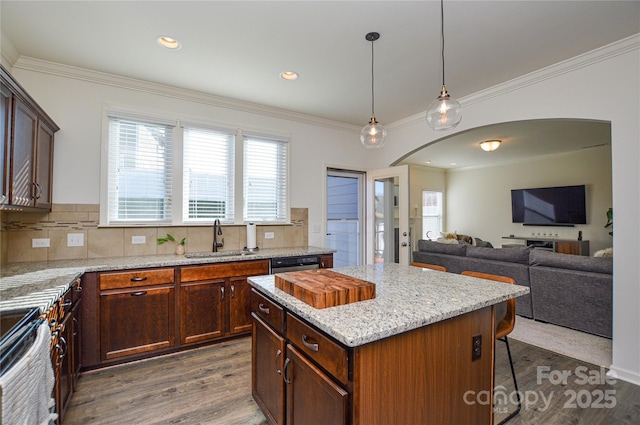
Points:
[(427, 375)]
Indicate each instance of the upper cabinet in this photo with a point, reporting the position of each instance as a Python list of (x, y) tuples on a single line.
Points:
[(26, 151)]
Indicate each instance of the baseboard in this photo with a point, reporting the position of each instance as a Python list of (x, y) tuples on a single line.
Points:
[(624, 374)]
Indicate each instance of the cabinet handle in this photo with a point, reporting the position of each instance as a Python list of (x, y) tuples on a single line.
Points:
[(76, 327), (284, 371), (222, 291), (38, 191), (263, 309), (278, 354), (310, 346), (233, 291), (67, 303), (64, 349), (138, 294), (79, 288), (138, 279)]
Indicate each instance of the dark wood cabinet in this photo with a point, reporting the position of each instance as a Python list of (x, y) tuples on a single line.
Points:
[(312, 397), (6, 108), (202, 310), (267, 385), (137, 312), (326, 261), (418, 376), (27, 152), (214, 300), (65, 355)]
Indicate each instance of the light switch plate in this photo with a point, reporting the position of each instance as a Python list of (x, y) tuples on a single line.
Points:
[(75, 239), (40, 243), (138, 240), (269, 235)]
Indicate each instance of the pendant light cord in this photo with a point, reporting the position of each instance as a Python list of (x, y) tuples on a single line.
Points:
[(372, 91), (442, 36)]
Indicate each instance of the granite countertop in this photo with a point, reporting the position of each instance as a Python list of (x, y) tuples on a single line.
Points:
[(40, 284), (406, 298)]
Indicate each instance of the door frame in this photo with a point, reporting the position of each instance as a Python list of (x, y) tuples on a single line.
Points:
[(402, 173)]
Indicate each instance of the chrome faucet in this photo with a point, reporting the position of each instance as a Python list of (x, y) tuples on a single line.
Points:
[(217, 231)]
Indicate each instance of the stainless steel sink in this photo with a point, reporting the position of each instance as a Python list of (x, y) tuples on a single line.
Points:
[(219, 254)]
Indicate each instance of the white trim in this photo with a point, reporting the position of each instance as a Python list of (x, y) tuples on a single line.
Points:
[(103, 78), (600, 54)]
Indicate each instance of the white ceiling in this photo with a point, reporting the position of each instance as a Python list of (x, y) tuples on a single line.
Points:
[(237, 49)]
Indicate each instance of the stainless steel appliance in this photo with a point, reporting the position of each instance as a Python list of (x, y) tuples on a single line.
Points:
[(18, 330), (292, 264)]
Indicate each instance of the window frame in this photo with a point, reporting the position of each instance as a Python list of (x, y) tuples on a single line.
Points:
[(177, 218)]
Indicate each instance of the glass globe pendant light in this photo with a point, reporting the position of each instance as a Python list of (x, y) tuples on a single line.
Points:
[(444, 113), (373, 135)]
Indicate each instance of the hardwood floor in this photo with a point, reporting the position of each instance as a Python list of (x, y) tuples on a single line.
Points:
[(212, 385)]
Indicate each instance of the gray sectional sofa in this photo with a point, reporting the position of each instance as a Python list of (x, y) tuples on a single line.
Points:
[(566, 290)]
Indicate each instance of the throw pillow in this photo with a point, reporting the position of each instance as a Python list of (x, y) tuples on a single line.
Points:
[(607, 252), (448, 235)]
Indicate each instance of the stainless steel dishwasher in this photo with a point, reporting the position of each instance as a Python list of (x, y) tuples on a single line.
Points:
[(292, 264)]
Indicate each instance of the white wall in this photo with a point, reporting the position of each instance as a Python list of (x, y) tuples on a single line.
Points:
[(479, 200), (75, 99), (601, 85)]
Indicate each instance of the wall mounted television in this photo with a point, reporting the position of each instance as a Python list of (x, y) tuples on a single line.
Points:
[(549, 206)]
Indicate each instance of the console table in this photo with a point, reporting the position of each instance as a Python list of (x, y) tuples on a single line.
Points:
[(563, 246)]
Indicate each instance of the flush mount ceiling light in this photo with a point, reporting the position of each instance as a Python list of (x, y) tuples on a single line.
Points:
[(373, 135), (444, 113), (490, 145), (289, 75), (169, 43)]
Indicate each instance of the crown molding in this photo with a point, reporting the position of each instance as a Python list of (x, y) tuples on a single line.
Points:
[(600, 54), (9, 54), (103, 78)]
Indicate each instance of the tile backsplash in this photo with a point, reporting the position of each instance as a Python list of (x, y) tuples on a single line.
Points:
[(19, 229)]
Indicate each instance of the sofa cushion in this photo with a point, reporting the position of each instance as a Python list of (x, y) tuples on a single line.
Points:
[(510, 255), (441, 248), (571, 262)]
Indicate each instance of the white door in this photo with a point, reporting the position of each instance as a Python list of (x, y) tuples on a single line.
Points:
[(388, 215)]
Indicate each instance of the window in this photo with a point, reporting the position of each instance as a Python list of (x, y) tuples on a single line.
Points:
[(431, 214), (208, 175), (265, 173), (158, 173), (139, 174)]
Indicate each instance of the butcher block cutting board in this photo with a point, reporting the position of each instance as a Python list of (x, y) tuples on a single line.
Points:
[(324, 288)]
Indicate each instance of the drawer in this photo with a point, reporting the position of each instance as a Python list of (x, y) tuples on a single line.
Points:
[(223, 270), (328, 354), (131, 279), (269, 311)]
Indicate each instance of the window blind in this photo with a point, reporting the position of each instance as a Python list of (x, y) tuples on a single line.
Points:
[(139, 172), (208, 175), (265, 177)]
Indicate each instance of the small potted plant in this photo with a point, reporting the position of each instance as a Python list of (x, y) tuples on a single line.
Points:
[(170, 238)]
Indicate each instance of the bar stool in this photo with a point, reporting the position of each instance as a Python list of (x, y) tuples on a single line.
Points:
[(429, 266), (503, 328)]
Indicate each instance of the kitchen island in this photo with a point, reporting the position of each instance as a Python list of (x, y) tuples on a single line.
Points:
[(420, 352)]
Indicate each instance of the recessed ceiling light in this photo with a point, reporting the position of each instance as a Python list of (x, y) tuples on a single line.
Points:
[(289, 75), (454, 163), (427, 162), (169, 43)]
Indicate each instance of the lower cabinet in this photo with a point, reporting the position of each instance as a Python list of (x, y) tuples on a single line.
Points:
[(137, 312), (312, 396), (301, 375), (214, 300), (137, 320), (286, 383)]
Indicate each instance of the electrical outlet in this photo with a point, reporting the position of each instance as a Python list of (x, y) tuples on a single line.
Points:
[(75, 239), (138, 240), (40, 243), (269, 235), (476, 347)]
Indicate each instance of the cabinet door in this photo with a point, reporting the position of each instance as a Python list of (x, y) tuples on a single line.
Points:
[(312, 397), (76, 356), (267, 385), (136, 321), (239, 305), (64, 386), (6, 106), (326, 261), (43, 167), (202, 310), (25, 130)]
